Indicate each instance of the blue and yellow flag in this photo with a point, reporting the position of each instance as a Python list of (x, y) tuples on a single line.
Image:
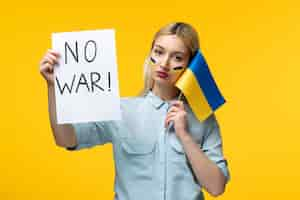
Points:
[(199, 88)]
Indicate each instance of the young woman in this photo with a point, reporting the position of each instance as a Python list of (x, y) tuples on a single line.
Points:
[(161, 151)]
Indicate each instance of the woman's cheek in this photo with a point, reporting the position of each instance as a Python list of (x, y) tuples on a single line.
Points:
[(153, 68), (176, 75)]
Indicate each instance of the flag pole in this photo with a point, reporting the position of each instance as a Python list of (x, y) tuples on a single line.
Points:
[(180, 95)]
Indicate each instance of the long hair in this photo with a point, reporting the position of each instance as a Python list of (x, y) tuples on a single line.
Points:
[(185, 32)]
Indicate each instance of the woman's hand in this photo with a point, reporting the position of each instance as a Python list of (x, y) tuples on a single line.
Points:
[(178, 115), (47, 66)]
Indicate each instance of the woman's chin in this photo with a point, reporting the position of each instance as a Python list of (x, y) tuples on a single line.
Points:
[(163, 82)]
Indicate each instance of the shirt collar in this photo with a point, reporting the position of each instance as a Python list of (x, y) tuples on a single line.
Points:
[(156, 101)]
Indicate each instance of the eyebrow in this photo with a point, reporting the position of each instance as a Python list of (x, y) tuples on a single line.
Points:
[(180, 52)]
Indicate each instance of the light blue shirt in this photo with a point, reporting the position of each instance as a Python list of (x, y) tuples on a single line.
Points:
[(150, 163)]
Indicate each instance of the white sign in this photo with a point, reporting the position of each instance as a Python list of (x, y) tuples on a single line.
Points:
[(86, 78)]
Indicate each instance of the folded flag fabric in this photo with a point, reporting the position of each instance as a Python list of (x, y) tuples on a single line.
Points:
[(199, 88)]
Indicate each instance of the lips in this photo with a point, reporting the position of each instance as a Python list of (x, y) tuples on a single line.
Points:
[(162, 74)]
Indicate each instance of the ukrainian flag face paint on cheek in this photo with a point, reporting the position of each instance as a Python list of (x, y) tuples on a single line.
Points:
[(177, 71), (152, 61)]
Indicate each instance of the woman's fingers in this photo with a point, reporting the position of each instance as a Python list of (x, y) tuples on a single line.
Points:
[(50, 57), (43, 61), (176, 109), (177, 103), (47, 65), (169, 118), (47, 59), (54, 53), (172, 112), (47, 71), (173, 109)]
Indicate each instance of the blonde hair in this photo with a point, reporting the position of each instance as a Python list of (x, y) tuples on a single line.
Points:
[(185, 32)]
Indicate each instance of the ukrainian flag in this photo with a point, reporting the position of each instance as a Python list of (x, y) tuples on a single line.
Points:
[(199, 88)]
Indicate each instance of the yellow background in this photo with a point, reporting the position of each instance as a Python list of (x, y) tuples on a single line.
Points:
[(252, 49)]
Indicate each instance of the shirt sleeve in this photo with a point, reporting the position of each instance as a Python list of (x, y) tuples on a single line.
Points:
[(92, 133), (212, 146)]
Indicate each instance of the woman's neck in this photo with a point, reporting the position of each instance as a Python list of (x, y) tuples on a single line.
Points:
[(165, 93)]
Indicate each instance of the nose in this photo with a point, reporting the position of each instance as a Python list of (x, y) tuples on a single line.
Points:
[(164, 64)]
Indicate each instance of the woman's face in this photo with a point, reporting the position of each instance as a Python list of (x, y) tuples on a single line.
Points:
[(169, 57)]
